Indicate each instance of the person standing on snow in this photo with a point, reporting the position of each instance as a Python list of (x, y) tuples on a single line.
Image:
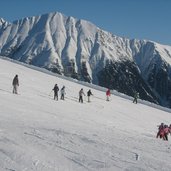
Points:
[(107, 94), (15, 84), (136, 96), (166, 132), (160, 130), (163, 131), (62, 92), (81, 93), (56, 89), (89, 93)]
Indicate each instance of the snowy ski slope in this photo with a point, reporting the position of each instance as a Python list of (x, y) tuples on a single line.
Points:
[(40, 134)]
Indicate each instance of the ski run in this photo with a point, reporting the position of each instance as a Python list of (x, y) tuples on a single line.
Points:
[(38, 133)]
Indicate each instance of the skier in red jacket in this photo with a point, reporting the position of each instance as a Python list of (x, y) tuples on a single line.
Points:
[(163, 132), (107, 94)]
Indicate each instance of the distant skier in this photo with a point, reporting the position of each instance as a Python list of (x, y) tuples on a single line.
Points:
[(15, 84), (163, 131), (166, 132), (81, 93), (56, 89), (63, 93), (160, 132), (108, 94), (89, 93), (136, 96)]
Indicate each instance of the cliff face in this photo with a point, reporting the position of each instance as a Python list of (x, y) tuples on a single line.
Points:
[(79, 49)]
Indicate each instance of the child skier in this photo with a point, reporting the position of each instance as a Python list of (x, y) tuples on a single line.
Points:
[(107, 94), (62, 92)]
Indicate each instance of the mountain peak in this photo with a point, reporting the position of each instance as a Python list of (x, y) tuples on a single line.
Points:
[(3, 23)]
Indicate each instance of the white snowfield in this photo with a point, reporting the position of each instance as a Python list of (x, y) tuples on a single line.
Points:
[(38, 133)]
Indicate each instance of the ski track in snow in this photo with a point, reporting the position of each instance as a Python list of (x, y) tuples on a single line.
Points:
[(40, 134)]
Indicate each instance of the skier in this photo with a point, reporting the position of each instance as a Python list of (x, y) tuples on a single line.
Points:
[(62, 92), (15, 84), (56, 89), (107, 94), (136, 96), (81, 93), (166, 132), (160, 131), (89, 93), (163, 131)]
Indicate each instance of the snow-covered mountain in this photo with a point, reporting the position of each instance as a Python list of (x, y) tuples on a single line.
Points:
[(79, 49), (40, 134)]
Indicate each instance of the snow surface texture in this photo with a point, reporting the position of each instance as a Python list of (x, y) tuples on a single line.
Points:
[(40, 134)]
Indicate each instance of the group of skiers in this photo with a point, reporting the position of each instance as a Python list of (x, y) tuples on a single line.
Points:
[(15, 84), (81, 94), (163, 131), (89, 93), (56, 90)]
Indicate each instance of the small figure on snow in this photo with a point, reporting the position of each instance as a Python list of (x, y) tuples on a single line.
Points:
[(136, 96), (81, 93), (56, 89), (63, 93), (15, 84), (166, 132), (163, 131), (160, 132), (107, 94), (89, 93)]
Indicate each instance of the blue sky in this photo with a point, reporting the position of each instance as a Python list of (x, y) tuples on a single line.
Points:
[(140, 19)]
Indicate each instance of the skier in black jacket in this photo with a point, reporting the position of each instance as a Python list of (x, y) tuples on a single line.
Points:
[(15, 84), (89, 93), (56, 89)]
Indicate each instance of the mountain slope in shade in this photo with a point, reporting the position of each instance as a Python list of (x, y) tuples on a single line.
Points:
[(79, 49)]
